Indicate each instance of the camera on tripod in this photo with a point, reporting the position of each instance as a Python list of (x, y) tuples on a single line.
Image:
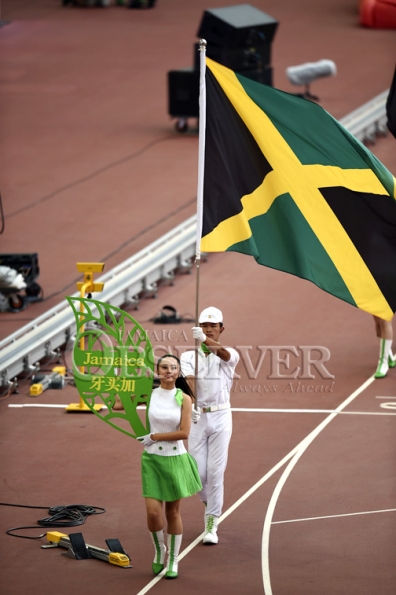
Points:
[(18, 272)]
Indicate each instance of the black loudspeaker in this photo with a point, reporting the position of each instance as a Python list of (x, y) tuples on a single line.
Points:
[(236, 59), (183, 93), (240, 26), (141, 3)]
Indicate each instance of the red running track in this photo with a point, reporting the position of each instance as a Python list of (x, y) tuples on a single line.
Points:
[(92, 169)]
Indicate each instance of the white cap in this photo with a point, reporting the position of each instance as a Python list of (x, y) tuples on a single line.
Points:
[(211, 314)]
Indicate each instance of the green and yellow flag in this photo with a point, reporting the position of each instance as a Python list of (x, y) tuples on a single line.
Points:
[(287, 184)]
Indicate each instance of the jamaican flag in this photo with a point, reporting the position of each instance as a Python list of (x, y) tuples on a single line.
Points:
[(287, 184)]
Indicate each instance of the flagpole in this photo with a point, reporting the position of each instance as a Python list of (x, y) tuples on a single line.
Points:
[(201, 168)]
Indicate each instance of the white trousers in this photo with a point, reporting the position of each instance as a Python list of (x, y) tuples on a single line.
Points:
[(208, 443)]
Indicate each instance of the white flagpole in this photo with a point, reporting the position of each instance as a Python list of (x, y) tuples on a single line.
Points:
[(201, 168), (201, 145)]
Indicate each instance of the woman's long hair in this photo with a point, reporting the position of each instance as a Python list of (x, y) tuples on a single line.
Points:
[(181, 381)]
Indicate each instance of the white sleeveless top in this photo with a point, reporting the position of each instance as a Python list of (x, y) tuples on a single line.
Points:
[(164, 416)]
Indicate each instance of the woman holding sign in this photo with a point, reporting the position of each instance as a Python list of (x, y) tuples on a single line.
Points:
[(169, 473)]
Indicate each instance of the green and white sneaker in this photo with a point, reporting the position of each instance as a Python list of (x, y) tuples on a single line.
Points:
[(160, 551), (382, 368), (384, 357), (174, 543), (210, 537)]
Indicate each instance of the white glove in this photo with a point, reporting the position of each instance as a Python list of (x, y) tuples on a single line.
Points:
[(195, 415), (146, 440), (198, 334)]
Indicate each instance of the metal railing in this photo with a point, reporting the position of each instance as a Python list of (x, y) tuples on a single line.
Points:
[(369, 120), (142, 273)]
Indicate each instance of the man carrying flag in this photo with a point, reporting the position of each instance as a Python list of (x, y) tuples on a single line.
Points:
[(211, 433)]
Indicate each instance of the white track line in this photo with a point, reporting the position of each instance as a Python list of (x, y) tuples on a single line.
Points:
[(249, 410), (51, 405), (333, 516), (269, 410), (364, 413), (315, 411), (20, 405), (276, 493)]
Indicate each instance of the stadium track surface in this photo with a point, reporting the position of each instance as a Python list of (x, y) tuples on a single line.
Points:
[(90, 162)]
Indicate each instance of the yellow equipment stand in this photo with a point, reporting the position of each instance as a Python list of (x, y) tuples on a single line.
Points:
[(86, 286), (57, 539), (57, 373)]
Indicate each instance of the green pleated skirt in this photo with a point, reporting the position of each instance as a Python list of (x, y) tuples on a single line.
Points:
[(169, 478)]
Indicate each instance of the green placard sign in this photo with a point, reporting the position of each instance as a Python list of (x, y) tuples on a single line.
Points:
[(113, 365)]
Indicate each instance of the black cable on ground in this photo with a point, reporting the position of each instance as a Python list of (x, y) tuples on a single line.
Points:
[(7, 392), (92, 175), (71, 515)]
